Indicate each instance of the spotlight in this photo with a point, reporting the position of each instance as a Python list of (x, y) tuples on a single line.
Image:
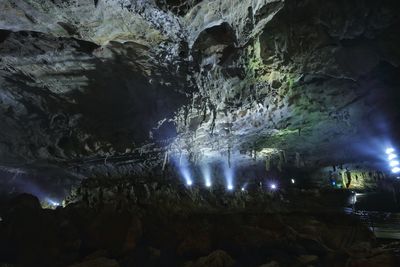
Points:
[(205, 169), (389, 150), (293, 181), (273, 186), (229, 174), (243, 189), (185, 173), (53, 203), (394, 163), (392, 156), (396, 170)]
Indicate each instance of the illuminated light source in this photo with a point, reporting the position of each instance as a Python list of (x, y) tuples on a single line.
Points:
[(293, 181), (392, 156), (205, 169), (184, 171), (228, 173), (389, 150), (396, 170), (53, 203), (243, 189), (273, 186), (394, 163)]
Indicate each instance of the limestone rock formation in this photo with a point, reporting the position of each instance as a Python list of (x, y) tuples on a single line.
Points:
[(111, 86)]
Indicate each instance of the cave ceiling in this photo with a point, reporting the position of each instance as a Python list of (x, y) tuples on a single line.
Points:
[(242, 80)]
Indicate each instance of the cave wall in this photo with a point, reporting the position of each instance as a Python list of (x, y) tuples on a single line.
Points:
[(109, 86)]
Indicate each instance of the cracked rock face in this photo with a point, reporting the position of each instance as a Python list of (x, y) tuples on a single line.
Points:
[(272, 82)]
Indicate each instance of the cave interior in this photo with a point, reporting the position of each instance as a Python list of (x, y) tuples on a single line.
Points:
[(199, 133)]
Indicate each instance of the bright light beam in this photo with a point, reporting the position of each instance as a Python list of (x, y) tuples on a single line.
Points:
[(392, 156), (183, 167), (53, 203), (228, 172), (186, 175), (205, 169), (394, 163), (396, 170), (273, 186), (389, 150)]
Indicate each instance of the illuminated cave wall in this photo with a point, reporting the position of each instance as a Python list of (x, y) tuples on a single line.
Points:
[(362, 177)]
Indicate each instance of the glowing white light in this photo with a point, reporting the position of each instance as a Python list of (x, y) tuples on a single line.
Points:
[(396, 170), (53, 203), (389, 150), (392, 156), (273, 186), (186, 175), (293, 181), (243, 189), (394, 163), (205, 169), (228, 173)]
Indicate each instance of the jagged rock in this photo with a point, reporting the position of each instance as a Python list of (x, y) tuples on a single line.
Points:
[(99, 262), (195, 244), (307, 259), (218, 258), (113, 231), (271, 264), (384, 259)]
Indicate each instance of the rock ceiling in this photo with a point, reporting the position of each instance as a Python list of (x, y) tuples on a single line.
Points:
[(245, 80)]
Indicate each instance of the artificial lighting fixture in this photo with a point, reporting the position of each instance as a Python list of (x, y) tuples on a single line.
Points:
[(392, 156), (230, 187), (396, 170), (293, 181), (389, 150), (53, 203), (243, 189), (394, 163), (273, 186), (189, 182), (205, 169)]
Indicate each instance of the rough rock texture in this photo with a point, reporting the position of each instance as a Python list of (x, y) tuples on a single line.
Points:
[(151, 232), (108, 86)]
